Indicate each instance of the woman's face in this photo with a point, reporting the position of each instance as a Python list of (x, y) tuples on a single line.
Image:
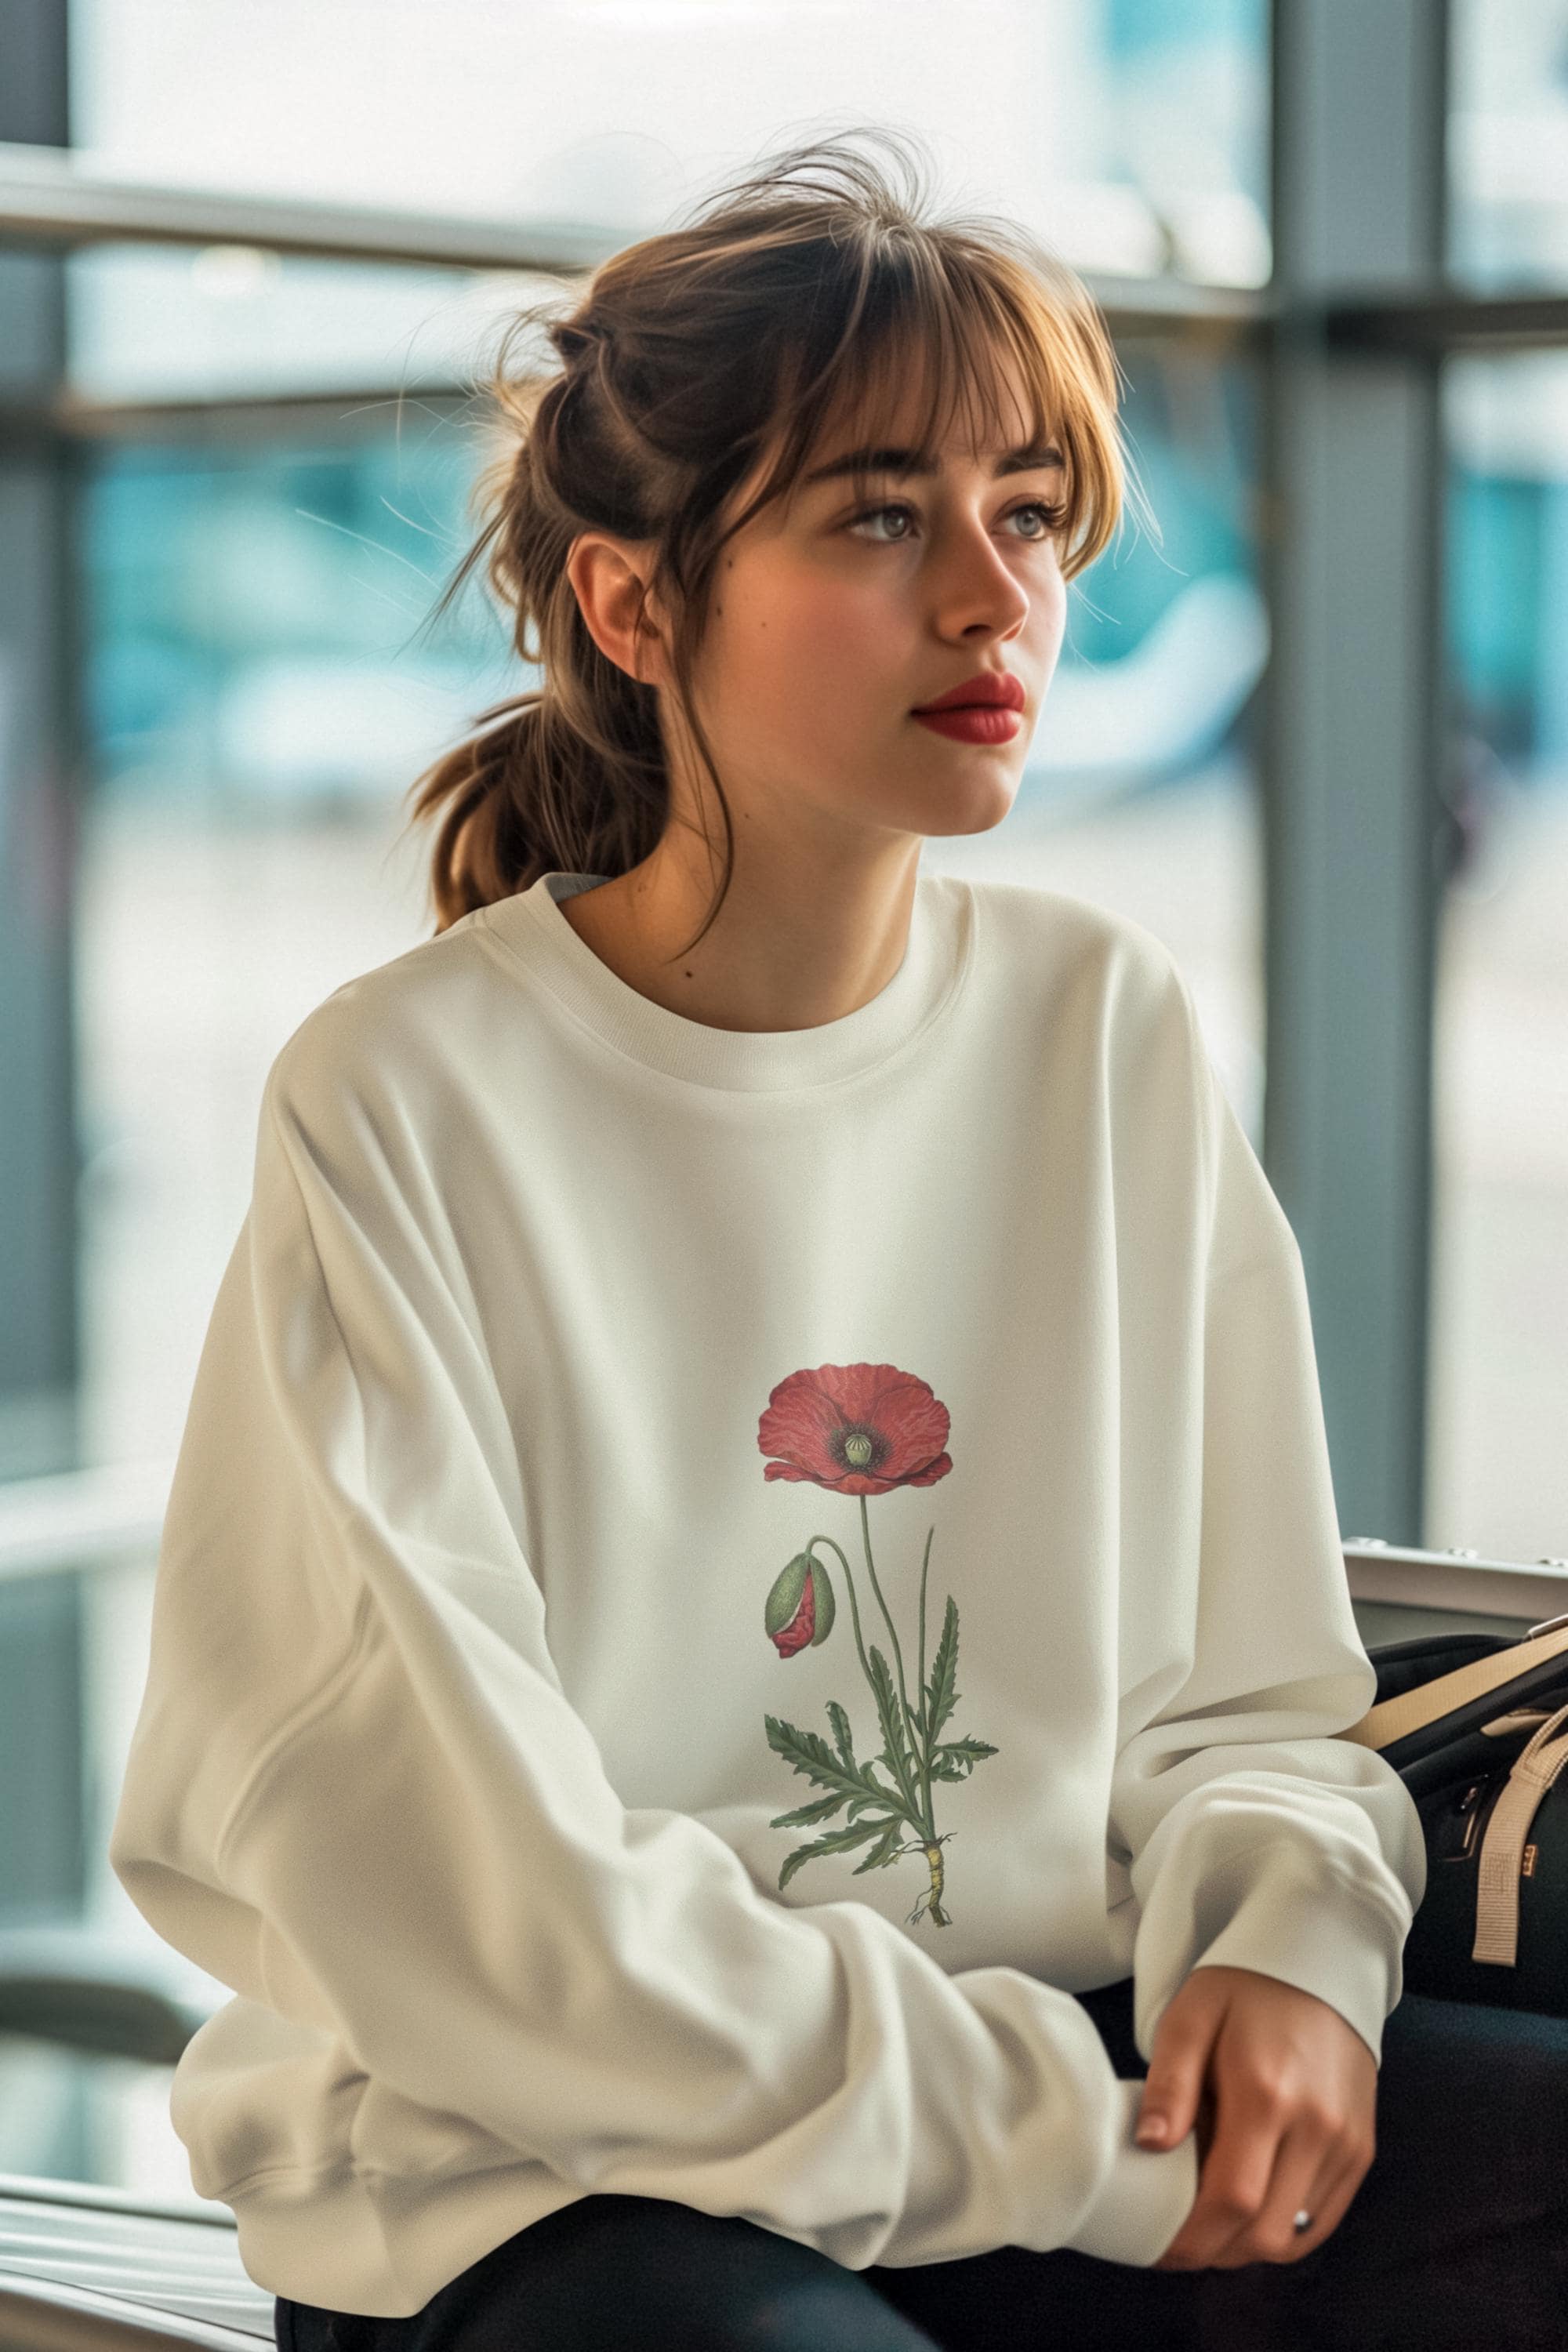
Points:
[(831, 621)]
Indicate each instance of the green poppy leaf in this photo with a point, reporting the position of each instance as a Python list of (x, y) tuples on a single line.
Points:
[(836, 1842), (942, 1690), (895, 1752), (887, 1851), (956, 1758), (821, 1808), (810, 1754)]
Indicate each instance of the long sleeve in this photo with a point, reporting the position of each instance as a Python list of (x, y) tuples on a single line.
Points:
[(358, 1794), (1253, 1837)]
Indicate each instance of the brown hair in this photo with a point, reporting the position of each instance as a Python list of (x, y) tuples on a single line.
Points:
[(786, 302)]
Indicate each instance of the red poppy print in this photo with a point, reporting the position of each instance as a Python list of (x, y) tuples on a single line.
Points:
[(862, 1430)]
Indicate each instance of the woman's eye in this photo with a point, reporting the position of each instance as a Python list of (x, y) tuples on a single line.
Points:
[(1055, 516)]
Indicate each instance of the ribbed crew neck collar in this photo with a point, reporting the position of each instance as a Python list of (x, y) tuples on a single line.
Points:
[(530, 928)]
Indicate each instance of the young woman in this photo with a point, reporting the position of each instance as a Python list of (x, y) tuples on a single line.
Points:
[(751, 1634)]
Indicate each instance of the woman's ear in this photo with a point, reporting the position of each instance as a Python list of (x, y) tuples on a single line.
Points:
[(608, 577)]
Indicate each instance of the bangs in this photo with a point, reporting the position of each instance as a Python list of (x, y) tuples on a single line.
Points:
[(957, 325)]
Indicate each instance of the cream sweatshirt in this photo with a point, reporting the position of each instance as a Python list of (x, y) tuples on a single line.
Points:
[(713, 1579)]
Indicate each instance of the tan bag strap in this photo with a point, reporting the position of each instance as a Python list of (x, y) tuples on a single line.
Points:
[(1392, 1718), (1535, 1768)]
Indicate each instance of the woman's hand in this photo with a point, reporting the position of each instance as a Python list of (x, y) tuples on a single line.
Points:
[(1285, 2115)]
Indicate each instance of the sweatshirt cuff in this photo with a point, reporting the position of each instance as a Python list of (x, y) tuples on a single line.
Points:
[(1314, 1929), (1146, 2197)]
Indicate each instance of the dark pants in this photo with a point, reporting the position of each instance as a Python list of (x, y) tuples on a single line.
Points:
[(1456, 2241)]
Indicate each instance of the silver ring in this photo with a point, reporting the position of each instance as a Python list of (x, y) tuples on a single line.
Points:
[(1303, 2220)]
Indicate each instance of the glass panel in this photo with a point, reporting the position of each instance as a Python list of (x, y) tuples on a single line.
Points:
[(1508, 144), (1498, 1403), (1132, 132)]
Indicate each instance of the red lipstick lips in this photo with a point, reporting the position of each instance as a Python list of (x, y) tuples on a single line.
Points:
[(983, 710), (992, 688)]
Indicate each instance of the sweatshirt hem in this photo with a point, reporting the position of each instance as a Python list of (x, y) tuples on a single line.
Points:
[(381, 2245)]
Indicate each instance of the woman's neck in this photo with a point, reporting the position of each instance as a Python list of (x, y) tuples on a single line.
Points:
[(775, 958)]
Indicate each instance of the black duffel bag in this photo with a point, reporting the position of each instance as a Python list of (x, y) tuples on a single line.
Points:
[(1477, 1727)]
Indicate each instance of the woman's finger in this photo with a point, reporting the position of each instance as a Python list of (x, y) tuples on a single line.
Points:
[(1233, 2188), (1328, 2202), (1310, 2176), (1303, 2163)]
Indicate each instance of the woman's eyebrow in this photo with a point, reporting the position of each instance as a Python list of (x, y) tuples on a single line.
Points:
[(903, 462)]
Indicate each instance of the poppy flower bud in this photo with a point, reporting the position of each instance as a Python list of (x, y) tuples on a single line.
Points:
[(800, 1606)]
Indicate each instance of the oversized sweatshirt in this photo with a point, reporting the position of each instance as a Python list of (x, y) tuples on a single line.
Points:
[(714, 1580)]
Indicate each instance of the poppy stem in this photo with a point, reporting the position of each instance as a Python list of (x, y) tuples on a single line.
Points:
[(911, 1801), (853, 1604), (897, 1654), (925, 1699)]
